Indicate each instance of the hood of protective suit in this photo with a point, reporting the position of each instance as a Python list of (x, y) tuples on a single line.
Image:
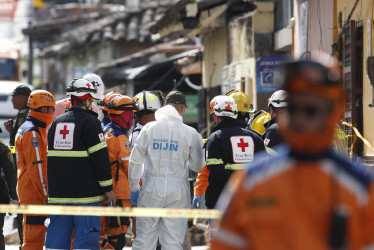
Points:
[(169, 113)]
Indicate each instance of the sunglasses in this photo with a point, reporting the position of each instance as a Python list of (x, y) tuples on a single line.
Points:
[(310, 111)]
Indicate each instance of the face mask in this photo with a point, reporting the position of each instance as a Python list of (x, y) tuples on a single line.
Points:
[(44, 117), (125, 120)]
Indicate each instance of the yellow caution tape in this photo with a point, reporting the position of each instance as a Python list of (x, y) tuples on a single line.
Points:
[(111, 211), (358, 134)]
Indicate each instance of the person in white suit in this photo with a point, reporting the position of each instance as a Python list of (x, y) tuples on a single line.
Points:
[(170, 148)]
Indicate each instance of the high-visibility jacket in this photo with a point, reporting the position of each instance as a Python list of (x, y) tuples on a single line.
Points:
[(287, 202), (202, 182), (229, 148), (31, 148), (119, 148), (78, 159)]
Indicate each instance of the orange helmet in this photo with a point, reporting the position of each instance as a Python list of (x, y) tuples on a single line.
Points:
[(121, 103), (107, 99), (214, 102), (41, 98)]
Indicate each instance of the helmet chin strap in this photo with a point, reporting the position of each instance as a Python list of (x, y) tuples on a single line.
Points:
[(88, 107)]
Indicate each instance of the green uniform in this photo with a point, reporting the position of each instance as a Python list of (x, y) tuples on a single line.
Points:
[(20, 119)]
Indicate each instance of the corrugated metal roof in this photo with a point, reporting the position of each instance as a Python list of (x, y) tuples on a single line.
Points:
[(128, 25)]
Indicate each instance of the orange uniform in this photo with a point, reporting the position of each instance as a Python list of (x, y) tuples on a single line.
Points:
[(119, 148), (202, 182), (31, 147), (287, 202)]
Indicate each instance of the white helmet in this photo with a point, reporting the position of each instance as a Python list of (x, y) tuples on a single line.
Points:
[(148, 100), (81, 87), (226, 106), (96, 81), (278, 99)]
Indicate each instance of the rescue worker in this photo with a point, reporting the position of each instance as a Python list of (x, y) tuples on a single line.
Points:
[(8, 183), (306, 197), (104, 109), (243, 104), (148, 102), (77, 155), (228, 148), (121, 111), (277, 104), (170, 148), (202, 179), (19, 99), (31, 150)]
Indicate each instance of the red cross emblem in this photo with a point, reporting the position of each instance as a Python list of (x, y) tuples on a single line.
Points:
[(88, 85), (64, 132), (242, 145), (228, 107)]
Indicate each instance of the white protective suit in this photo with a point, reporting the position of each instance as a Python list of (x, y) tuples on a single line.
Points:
[(166, 144), (135, 133)]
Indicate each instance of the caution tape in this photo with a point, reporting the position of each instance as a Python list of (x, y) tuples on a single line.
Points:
[(358, 134), (111, 211)]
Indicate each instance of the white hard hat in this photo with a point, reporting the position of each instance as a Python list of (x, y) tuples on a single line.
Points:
[(148, 100), (96, 81), (226, 106), (81, 87), (278, 99)]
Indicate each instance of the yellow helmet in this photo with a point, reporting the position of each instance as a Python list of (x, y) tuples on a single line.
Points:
[(241, 99), (258, 120)]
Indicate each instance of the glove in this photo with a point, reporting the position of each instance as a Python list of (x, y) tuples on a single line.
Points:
[(196, 201), (134, 197)]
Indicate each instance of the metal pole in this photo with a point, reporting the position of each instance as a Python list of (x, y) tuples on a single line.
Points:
[(30, 59)]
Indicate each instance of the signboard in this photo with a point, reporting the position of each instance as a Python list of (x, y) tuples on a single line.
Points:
[(192, 111), (265, 73)]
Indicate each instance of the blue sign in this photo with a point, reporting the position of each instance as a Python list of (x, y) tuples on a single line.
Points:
[(265, 72)]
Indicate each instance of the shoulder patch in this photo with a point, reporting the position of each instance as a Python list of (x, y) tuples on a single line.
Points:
[(128, 144), (64, 136), (35, 142), (242, 148)]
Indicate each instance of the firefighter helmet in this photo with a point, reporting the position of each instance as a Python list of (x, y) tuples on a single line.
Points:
[(258, 120), (119, 104), (81, 88), (213, 102), (278, 99), (226, 106), (96, 81), (148, 100), (241, 99)]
